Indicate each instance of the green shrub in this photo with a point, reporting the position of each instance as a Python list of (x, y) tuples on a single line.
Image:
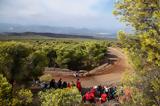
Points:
[(24, 97), (5, 91), (60, 97), (21, 97)]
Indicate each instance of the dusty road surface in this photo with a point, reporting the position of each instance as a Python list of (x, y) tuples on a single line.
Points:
[(104, 75)]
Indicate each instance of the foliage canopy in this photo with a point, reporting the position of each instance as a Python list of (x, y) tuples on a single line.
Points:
[(143, 48)]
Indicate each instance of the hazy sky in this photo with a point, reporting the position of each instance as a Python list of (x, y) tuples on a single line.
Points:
[(74, 13)]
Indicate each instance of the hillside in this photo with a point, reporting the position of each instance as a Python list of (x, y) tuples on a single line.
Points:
[(35, 35)]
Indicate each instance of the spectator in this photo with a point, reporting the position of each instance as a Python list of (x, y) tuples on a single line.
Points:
[(89, 96), (44, 85), (106, 89), (53, 84), (103, 97), (111, 93), (78, 84), (69, 85), (100, 89), (86, 97), (64, 85), (60, 83)]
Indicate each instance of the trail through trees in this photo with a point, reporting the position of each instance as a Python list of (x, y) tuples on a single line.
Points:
[(104, 74)]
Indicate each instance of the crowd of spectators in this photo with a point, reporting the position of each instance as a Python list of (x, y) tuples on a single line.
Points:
[(61, 84), (95, 94), (100, 94)]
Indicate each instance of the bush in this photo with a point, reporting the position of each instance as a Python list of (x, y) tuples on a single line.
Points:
[(60, 97), (5, 91), (24, 97), (21, 97)]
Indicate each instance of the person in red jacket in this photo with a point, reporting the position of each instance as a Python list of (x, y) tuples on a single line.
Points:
[(89, 96), (78, 85), (86, 97), (69, 85), (92, 96), (103, 97)]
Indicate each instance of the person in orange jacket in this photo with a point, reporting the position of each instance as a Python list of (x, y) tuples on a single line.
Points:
[(78, 85)]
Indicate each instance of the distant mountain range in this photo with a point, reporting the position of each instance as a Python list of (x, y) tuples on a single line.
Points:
[(36, 35), (16, 28)]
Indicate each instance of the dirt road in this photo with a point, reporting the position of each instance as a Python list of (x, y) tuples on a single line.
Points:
[(105, 74)]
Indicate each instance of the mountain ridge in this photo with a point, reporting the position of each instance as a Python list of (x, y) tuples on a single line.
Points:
[(11, 28)]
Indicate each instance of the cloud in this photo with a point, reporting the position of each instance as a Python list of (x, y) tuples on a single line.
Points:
[(43, 7), (82, 13)]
